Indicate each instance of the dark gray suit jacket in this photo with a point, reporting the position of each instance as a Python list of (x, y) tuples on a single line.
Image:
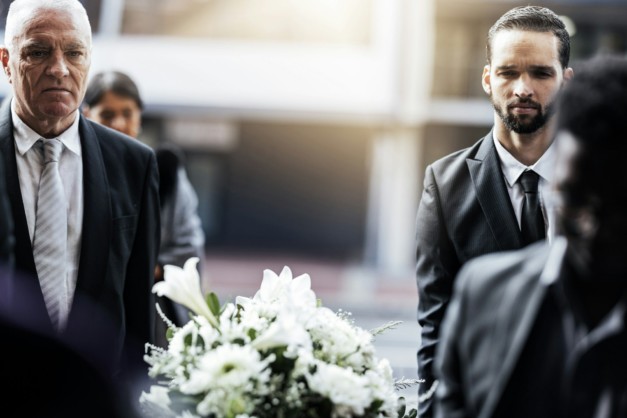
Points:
[(494, 307), (465, 211), (113, 306), (488, 325)]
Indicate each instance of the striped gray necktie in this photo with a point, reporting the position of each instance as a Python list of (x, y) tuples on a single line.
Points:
[(50, 240)]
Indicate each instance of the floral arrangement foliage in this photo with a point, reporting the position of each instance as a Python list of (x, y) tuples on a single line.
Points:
[(277, 354)]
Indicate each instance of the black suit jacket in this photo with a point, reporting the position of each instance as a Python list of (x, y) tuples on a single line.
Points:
[(113, 305), (497, 305), (465, 211), (6, 241), (6, 227)]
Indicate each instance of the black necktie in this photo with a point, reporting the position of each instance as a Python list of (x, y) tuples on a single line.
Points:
[(532, 221)]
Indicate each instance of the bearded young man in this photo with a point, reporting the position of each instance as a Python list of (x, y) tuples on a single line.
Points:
[(541, 332), (488, 198)]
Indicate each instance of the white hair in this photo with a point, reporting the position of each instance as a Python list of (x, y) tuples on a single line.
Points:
[(21, 11)]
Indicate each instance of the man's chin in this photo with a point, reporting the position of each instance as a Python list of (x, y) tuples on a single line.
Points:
[(526, 129), (524, 125), (58, 110)]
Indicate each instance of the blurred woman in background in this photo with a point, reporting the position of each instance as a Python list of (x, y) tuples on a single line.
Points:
[(112, 99)]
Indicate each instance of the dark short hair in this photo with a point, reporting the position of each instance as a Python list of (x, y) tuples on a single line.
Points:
[(111, 81), (534, 19), (593, 108)]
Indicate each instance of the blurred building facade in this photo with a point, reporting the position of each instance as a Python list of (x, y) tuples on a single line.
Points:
[(307, 126)]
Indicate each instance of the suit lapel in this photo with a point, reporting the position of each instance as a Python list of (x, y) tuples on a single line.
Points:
[(96, 233), (485, 171), (26, 279), (24, 260)]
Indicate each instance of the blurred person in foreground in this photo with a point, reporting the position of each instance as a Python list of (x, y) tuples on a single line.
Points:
[(542, 332), (113, 100), (84, 199), (489, 197)]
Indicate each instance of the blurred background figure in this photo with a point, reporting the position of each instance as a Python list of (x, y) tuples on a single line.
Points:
[(541, 332), (113, 100)]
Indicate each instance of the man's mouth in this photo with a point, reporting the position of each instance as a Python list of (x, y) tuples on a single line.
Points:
[(56, 90), (524, 106)]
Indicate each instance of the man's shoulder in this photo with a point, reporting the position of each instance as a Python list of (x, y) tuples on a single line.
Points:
[(491, 273), (113, 140), (457, 160)]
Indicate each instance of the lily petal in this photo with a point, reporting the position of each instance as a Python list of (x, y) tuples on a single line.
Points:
[(182, 285)]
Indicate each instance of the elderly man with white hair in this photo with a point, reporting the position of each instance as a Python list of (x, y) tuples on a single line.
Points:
[(84, 198)]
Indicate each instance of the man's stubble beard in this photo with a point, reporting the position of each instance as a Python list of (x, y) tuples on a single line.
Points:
[(524, 125)]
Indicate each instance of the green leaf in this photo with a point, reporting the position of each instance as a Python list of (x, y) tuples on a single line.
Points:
[(402, 407), (214, 304), (169, 333)]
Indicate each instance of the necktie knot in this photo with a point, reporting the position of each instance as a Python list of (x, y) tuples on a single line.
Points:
[(529, 181), (52, 150)]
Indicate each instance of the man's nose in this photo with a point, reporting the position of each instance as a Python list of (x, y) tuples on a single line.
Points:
[(58, 66), (523, 86)]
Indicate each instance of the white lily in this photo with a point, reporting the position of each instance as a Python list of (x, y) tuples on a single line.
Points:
[(182, 285), (273, 287), (283, 288), (284, 331), (301, 293)]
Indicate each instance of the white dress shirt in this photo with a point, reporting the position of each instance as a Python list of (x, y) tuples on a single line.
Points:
[(30, 166), (512, 169)]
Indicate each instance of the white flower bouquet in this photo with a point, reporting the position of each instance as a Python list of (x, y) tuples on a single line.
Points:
[(278, 354)]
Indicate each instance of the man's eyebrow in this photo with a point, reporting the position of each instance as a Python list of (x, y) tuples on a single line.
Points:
[(75, 45), (531, 67), (36, 44), (547, 68)]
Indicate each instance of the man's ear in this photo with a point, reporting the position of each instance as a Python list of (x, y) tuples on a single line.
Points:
[(485, 80), (568, 74), (4, 57)]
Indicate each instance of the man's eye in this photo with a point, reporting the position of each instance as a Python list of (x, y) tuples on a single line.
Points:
[(74, 54), (543, 74), (37, 54)]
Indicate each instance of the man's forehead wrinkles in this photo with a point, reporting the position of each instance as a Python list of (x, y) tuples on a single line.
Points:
[(45, 41)]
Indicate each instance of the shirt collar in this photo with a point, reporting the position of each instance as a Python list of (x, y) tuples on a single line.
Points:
[(25, 137), (512, 168)]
